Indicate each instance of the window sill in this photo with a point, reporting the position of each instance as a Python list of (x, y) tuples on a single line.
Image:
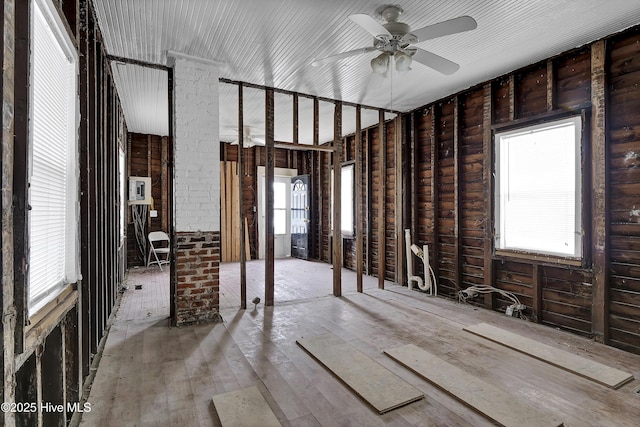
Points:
[(503, 254), (46, 319)]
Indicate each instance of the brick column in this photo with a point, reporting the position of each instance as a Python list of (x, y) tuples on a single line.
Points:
[(197, 190), (198, 258)]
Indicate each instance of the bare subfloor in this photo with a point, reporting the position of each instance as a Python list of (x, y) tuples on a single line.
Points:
[(153, 375)]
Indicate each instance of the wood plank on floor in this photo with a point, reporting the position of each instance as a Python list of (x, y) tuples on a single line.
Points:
[(490, 401), (592, 370), (244, 407), (374, 383)]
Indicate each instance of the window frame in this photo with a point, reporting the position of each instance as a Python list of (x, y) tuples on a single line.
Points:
[(72, 269), (582, 195)]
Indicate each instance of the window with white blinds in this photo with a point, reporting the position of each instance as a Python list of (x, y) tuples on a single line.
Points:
[(53, 167), (538, 189)]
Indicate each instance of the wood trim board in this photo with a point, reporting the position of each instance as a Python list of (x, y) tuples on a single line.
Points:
[(245, 407), (375, 384), (590, 369), (490, 401)]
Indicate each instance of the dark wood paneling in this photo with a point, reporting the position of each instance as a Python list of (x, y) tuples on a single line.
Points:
[(531, 91), (623, 107), (573, 79), (390, 202)]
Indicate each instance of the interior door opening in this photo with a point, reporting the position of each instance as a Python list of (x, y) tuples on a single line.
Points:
[(281, 211)]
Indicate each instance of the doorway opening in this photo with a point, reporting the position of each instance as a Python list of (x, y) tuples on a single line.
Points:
[(281, 211)]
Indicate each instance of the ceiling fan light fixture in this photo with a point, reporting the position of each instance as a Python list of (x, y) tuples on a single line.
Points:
[(380, 64), (403, 61)]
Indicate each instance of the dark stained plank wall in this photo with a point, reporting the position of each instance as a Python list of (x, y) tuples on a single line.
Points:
[(531, 93), (425, 207), (446, 241), (624, 190), (145, 159), (471, 189), (559, 295), (573, 79), (390, 204), (376, 198)]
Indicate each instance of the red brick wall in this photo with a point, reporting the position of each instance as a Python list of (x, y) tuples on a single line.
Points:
[(197, 261)]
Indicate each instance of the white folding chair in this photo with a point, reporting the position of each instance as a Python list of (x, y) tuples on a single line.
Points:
[(157, 248)]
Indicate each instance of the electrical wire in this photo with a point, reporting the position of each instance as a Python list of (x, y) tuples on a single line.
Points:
[(473, 291)]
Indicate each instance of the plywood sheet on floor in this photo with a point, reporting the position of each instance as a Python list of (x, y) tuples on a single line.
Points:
[(245, 407), (606, 375), (491, 401), (374, 383)]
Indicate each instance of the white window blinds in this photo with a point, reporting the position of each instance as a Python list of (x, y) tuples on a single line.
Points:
[(53, 192), (538, 189)]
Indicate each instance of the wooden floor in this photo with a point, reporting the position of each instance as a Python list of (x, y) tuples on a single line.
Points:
[(152, 375)]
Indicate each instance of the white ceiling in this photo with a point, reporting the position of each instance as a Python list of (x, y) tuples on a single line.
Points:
[(273, 42)]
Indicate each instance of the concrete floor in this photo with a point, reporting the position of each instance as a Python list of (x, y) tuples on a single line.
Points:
[(151, 374)]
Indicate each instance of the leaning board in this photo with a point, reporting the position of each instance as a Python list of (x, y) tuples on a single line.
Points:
[(374, 383), (245, 407), (586, 368), (492, 402)]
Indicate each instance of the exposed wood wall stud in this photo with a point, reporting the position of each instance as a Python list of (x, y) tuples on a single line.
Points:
[(241, 174), (399, 191), (487, 185), (337, 192), (435, 195), (551, 84), (269, 178), (457, 245), (358, 214), (599, 205), (381, 201)]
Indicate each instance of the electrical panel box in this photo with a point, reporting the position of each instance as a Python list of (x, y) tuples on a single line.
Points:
[(139, 190)]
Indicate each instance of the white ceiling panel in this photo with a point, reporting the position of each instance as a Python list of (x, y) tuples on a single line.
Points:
[(144, 97), (273, 42)]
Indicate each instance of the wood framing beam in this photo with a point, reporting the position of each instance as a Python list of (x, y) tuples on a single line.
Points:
[(512, 97), (86, 263), (369, 204), (269, 178), (435, 194), (164, 182), (457, 246), (173, 275), (137, 62), (536, 281), (551, 86), (599, 202), (93, 276), (243, 230), (487, 185), (399, 200), (289, 92), (412, 185), (337, 198), (316, 122), (358, 202), (302, 147), (15, 300), (296, 133), (382, 168)]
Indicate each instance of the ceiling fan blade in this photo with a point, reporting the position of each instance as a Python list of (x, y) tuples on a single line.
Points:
[(444, 28), (436, 62), (342, 55), (371, 25)]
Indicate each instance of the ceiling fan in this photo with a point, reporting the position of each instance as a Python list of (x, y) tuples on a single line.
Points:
[(395, 39), (248, 138)]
